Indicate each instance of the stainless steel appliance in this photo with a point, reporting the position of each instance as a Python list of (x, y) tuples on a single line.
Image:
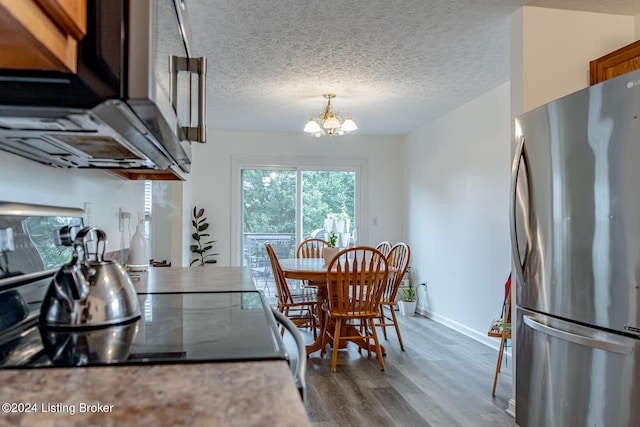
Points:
[(89, 292), (576, 255), (128, 107)]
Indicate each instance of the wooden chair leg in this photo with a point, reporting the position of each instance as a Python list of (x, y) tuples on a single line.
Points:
[(286, 314), (364, 325), (314, 323), (336, 344), (323, 334), (498, 365), (375, 340), (395, 323), (383, 321)]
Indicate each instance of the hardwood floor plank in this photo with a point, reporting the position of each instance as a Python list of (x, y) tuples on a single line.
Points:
[(442, 379)]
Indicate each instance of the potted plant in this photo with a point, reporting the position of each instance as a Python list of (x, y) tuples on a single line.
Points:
[(331, 251), (407, 301), (200, 249)]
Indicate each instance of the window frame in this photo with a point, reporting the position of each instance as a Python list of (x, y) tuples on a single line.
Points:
[(357, 165)]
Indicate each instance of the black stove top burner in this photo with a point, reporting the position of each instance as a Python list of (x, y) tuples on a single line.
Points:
[(174, 328)]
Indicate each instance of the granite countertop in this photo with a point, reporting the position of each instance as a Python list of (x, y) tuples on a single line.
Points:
[(197, 394)]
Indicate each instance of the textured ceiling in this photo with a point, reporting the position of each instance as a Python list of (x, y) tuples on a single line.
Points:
[(394, 64)]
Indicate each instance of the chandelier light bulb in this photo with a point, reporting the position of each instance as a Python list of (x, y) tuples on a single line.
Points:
[(312, 126), (349, 125), (331, 122)]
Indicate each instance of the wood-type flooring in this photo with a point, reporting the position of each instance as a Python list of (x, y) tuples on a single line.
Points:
[(443, 378)]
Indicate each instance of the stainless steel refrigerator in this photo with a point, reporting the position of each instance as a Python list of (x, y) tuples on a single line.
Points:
[(576, 255)]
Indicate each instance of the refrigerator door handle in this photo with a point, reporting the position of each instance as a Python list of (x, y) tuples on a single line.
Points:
[(515, 251), (577, 339)]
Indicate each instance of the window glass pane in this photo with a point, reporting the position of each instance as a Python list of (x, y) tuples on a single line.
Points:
[(327, 194), (268, 215), (269, 199)]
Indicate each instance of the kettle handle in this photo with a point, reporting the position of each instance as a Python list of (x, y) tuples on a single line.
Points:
[(82, 238), (102, 238)]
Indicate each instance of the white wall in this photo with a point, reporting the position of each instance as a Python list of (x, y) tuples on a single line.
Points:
[(212, 176), (26, 181), (458, 228), (557, 46), (637, 27)]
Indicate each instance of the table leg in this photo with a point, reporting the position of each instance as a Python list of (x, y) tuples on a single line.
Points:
[(346, 330)]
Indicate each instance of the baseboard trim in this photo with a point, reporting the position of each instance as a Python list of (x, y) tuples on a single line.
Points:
[(511, 410), (483, 338)]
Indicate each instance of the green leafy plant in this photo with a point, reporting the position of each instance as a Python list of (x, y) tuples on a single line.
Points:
[(342, 215), (200, 225), (333, 239), (408, 294)]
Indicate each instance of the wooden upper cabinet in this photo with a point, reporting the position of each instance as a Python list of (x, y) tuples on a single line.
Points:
[(618, 62), (41, 34)]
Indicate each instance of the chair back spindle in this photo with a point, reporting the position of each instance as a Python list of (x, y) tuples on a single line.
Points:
[(384, 247), (311, 248)]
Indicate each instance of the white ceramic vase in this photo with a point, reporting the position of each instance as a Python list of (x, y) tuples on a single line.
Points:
[(329, 253), (407, 308), (138, 252)]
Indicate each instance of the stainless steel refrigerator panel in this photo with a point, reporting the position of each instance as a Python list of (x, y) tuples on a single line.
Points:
[(572, 375), (577, 200)]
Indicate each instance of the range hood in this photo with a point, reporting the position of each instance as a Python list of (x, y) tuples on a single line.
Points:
[(109, 136), (128, 107)]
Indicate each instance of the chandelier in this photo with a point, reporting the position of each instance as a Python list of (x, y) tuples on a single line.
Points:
[(332, 124)]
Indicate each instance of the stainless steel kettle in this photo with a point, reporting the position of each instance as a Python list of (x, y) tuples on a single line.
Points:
[(88, 293)]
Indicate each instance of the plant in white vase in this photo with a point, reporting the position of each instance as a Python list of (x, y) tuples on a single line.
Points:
[(330, 252), (407, 301)]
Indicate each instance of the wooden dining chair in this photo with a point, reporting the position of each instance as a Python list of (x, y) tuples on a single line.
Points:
[(302, 308), (384, 247), (398, 261), (355, 280), (311, 248)]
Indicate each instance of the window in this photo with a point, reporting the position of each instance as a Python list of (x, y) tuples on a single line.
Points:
[(287, 204), (148, 198)]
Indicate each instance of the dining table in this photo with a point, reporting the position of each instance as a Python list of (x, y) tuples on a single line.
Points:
[(315, 270)]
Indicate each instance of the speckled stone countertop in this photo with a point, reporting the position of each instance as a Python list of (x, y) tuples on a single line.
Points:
[(199, 394)]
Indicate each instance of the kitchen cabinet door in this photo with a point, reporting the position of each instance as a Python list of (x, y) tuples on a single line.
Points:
[(41, 34), (618, 62)]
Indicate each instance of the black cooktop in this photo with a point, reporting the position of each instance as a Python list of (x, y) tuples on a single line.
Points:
[(173, 328)]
